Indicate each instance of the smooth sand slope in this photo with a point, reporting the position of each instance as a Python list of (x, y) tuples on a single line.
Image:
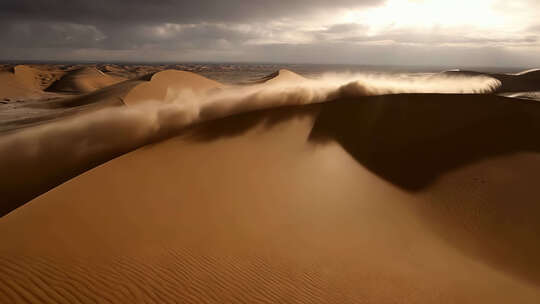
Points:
[(57, 158), (35, 78), (11, 87), (84, 80), (282, 77), (169, 82), (53, 160), (390, 199), (22, 82)]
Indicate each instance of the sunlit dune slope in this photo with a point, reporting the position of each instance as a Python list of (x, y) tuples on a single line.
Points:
[(24, 81), (402, 198), (11, 87), (56, 109), (282, 77), (34, 78), (162, 83), (83, 80)]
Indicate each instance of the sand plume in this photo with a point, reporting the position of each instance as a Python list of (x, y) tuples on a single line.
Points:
[(67, 148), (519, 82)]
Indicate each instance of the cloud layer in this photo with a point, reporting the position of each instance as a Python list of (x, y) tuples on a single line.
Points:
[(342, 31)]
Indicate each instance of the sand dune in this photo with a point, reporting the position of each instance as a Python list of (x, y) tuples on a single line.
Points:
[(519, 82), (163, 82), (169, 108), (384, 199), (84, 80), (281, 77), (54, 109), (11, 87), (23, 81), (37, 79), (264, 194)]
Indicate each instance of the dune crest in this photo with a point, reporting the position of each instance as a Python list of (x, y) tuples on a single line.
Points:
[(183, 99), (23, 81), (83, 80), (162, 82), (283, 76), (12, 87), (34, 78)]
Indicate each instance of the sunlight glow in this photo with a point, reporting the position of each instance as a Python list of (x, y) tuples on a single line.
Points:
[(428, 14)]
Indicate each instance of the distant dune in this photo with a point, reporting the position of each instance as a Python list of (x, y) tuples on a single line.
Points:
[(84, 80), (34, 78), (163, 82), (11, 87), (23, 81), (274, 196), (281, 76)]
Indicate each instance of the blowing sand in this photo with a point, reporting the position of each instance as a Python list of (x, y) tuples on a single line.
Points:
[(407, 198)]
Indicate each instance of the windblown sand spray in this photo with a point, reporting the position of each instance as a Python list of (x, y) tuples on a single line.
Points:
[(78, 143), (183, 107), (327, 88)]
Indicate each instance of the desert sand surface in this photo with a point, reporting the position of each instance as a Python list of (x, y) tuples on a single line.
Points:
[(24, 81), (84, 80), (163, 82), (352, 197)]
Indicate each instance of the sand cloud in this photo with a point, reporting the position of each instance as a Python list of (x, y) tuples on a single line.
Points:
[(125, 128)]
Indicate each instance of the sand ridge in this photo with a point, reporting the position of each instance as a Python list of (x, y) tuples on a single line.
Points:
[(162, 82), (84, 80), (204, 217), (92, 141), (23, 81), (364, 199)]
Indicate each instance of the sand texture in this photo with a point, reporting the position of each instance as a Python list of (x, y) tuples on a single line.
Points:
[(392, 198)]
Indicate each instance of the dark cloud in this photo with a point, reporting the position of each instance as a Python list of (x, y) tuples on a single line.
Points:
[(49, 35), (173, 11), (121, 37), (242, 30), (148, 24)]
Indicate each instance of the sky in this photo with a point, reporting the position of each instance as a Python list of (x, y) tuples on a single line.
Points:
[(375, 32)]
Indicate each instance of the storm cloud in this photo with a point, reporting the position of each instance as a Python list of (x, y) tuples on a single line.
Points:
[(168, 11), (341, 31)]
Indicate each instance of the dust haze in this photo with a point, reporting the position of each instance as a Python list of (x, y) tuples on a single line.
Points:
[(129, 127)]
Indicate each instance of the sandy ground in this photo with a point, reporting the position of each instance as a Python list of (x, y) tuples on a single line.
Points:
[(403, 198)]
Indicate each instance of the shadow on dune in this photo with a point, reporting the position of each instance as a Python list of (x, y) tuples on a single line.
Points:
[(411, 139), (241, 123), (406, 139), (32, 176)]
